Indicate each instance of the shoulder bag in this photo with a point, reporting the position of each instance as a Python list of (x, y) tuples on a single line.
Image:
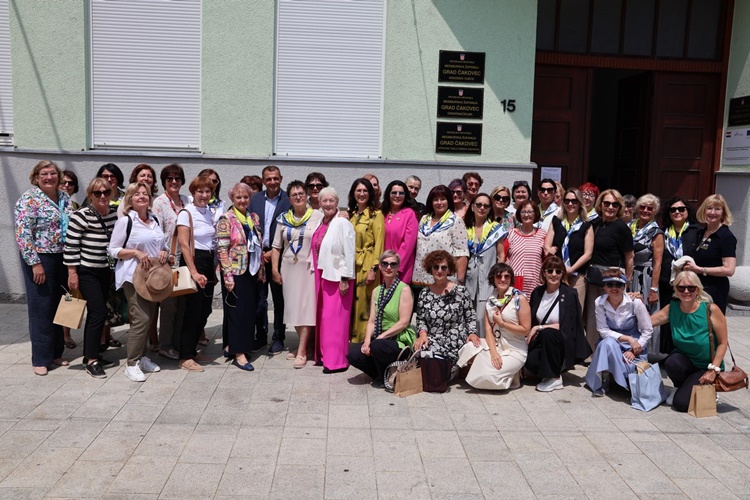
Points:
[(732, 380), (183, 281)]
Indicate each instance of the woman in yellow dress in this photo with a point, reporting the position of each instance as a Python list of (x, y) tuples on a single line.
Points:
[(369, 227)]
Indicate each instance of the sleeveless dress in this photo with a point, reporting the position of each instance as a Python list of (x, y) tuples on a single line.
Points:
[(390, 316)]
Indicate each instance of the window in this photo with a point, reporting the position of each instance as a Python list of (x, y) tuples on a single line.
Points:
[(6, 85), (146, 74), (329, 77)]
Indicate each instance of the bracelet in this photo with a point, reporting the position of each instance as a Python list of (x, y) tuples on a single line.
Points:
[(653, 289), (704, 272), (713, 367)]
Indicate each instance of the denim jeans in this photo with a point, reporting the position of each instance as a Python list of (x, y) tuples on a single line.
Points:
[(47, 341)]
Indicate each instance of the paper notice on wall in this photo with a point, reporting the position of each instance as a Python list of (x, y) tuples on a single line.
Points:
[(737, 147), (554, 173)]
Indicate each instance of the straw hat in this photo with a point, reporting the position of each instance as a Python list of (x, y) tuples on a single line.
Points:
[(154, 283)]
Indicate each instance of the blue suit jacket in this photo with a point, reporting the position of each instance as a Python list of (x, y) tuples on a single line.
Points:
[(258, 205)]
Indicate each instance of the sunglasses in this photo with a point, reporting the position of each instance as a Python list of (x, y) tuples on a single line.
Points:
[(398, 193), (215, 181), (68, 183), (100, 194), (386, 265), (645, 208), (608, 204), (457, 192), (108, 176), (674, 210), (520, 183), (553, 271), (313, 185), (438, 267), (174, 179), (482, 205), (613, 284), (546, 190), (686, 288), (570, 201), (504, 199)]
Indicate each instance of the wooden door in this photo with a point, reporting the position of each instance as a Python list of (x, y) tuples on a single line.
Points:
[(633, 131), (683, 134), (558, 134)]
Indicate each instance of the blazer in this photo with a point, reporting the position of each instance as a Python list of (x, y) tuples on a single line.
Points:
[(232, 245), (336, 258), (258, 206), (576, 347)]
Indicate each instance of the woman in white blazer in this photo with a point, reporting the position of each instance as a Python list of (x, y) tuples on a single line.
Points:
[(333, 261)]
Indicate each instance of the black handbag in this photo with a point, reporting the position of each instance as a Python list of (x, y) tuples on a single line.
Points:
[(594, 276), (436, 373)]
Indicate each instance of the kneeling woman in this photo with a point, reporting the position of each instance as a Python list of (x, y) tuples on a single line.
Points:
[(625, 327), (388, 329), (496, 363), (693, 361), (556, 341), (446, 318)]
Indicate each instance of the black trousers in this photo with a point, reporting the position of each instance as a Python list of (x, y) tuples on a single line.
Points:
[(240, 308), (93, 282), (665, 333), (383, 352), (197, 305), (277, 294), (546, 354), (684, 375)]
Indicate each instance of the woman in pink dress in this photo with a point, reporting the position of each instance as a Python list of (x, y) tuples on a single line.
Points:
[(333, 261), (401, 226), (525, 248)]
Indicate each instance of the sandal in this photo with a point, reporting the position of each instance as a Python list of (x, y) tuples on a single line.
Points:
[(60, 362), (69, 344), (300, 362)]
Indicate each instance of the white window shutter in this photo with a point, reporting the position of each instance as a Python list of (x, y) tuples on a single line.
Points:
[(146, 74), (329, 77), (6, 84)]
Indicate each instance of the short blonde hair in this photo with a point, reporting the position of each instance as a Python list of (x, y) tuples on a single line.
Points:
[(649, 199), (715, 200), (127, 200), (98, 183), (500, 189), (694, 280), (616, 195), (34, 175)]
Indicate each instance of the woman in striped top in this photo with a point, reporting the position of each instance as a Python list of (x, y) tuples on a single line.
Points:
[(525, 248), (85, 255)]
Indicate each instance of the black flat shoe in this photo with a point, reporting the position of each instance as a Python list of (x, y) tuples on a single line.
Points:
[(248, 367), (338, 370), (114, 343)]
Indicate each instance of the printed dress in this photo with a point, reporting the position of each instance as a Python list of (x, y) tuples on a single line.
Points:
[(643, 269), (448, 320)]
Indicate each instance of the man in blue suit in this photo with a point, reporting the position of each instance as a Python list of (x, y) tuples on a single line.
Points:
[(268, 205)]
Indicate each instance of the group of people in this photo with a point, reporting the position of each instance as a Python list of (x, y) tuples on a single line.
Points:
[(498, 281)]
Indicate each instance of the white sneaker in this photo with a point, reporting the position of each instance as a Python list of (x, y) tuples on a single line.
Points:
[(550, 384), (148, 366), (134, 373)]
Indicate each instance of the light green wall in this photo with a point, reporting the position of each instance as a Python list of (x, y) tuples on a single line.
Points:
[(416, 31), (238, 77), (48, 43), (738, 74)]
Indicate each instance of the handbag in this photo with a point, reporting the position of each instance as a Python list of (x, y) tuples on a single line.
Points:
[(594, 276), (182, 281), (117, 307), (725, 381), (408, 377), (702, 401), (436, 373), (389, 375), (646, 386), (111, 261), (70, 311)]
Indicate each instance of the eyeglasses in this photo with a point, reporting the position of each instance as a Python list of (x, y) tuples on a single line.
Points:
[(439, 267), (297, 195), (674, 210), (608, 204), (457, 192), (570, 201), (686, 288), (100, 194), (613, 284), (68, 183), (527, 212), (315, 185), (504, 199), (398, 193), (482, 205), (174, 179), (386, 265), (552, 271), (646, 208), (588, 194), (547, 190), (48, 174)]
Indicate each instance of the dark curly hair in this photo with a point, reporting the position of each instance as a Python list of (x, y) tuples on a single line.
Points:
[(666, 221), (498, 269), (436, 257)]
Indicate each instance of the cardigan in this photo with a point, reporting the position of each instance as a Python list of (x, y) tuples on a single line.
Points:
[(336, 258), (232, 248)]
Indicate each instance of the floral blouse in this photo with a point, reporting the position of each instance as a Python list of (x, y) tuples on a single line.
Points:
[(41, 224), (448, 320)]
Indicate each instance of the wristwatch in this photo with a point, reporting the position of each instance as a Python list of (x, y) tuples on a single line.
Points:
[(704, 272), (654, 289), (713, 367)]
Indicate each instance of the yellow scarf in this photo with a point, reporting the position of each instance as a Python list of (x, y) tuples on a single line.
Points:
[(245, 220), (486, 229), (290, 221)]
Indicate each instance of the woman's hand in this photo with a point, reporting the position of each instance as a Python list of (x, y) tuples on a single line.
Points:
[(421, 343), (497, 360), (635, 347), (474, 339), (653, 297), (498, 318), (72, 280), (201, 280), (343, 287), (39, 276), (144, 260), (708, 378), (629, 356), (532, 333), (276, 277), (163, 256), (229, 286), (370, 279), (552, 251), (689, 266), (365, 348)]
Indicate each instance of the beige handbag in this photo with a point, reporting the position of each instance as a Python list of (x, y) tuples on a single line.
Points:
[(183, 281)]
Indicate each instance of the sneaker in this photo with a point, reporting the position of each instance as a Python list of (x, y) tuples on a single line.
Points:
[(95, 370), (148, 366), (599, 393), (276, 347), (106, 363), (169, 353), (134, 373), (550, 384)]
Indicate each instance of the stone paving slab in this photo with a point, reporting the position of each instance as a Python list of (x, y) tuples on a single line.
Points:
[(288, 434)]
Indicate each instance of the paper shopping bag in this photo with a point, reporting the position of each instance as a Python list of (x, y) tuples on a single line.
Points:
[(702, 401), (70, 311), (408, 382)]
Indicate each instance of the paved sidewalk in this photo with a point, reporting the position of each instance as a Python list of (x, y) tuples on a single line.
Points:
[(293, 434)]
